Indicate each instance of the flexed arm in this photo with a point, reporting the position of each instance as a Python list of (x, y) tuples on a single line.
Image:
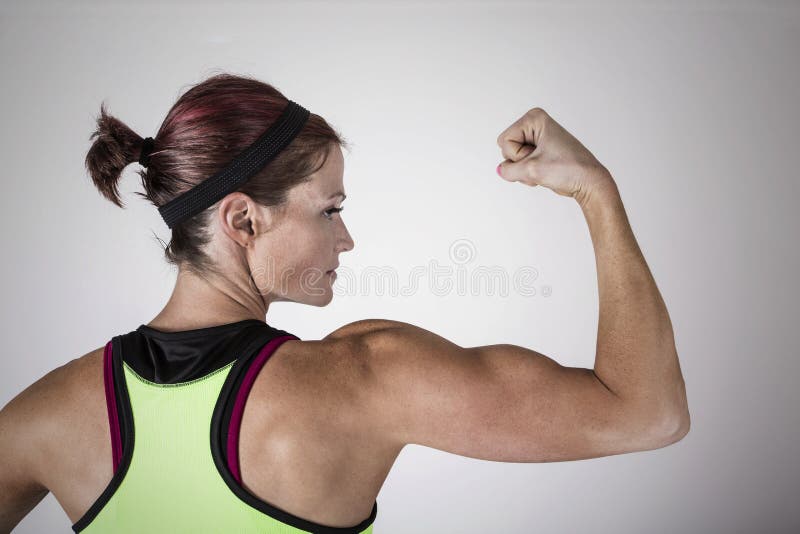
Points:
[(402, 384), (636, 356)]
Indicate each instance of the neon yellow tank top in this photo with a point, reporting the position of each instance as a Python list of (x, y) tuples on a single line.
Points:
[(175, 444)]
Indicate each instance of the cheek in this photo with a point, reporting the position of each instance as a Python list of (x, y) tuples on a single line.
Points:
[(299, 254)]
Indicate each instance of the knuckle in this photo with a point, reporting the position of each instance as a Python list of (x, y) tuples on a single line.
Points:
[(540, 115)]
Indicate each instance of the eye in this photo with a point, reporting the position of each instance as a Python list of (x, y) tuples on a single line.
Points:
[(329, 212)]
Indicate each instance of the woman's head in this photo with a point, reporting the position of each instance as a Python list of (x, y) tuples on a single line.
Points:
[(278, 228)]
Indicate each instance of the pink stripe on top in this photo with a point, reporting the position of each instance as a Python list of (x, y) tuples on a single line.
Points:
[(111, 406), (241, 398)]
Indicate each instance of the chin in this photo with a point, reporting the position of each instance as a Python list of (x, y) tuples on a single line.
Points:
[(322, 299)]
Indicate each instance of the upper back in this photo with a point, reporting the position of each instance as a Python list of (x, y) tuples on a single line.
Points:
[(298, 450)]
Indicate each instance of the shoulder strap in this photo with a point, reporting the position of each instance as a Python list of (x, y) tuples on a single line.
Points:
[(111, 406), (258, 346), (118, 404), (120, 418), (225, 423), (120, 421), (235, 418)]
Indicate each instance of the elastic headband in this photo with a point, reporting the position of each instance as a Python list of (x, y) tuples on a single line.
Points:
[(246, 164)]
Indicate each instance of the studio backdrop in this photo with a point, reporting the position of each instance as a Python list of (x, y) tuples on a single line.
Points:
[(692, 106)]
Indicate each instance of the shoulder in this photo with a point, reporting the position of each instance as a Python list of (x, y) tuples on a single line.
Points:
[(49, 410), (378, 336), (338, 369), (383, 342), (379, 357), (405, 376), (65, 384), (364, 327), (355, 344)]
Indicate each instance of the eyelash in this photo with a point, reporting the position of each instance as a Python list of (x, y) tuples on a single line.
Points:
[(329, 212)]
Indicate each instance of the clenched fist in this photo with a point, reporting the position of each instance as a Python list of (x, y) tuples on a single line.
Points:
[(539, 151)]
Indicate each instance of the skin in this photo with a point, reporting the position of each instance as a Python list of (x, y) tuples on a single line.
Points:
[(322, 429), (288, 250)]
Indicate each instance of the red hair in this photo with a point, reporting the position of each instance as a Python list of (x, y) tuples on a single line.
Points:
[(204, 130)]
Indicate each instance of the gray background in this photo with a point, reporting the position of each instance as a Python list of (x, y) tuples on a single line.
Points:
[(691, 105)]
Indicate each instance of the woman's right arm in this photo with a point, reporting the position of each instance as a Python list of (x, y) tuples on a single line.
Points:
[(512, 404), (21, 428)]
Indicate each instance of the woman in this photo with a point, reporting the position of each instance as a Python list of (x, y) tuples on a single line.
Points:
[(205, 437)]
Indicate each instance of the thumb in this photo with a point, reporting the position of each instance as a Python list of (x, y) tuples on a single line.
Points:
[(518, 171)]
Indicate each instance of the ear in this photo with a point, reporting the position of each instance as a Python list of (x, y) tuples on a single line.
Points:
[(242, 219)]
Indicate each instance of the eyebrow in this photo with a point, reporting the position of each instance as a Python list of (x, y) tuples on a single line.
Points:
[(339, 194)]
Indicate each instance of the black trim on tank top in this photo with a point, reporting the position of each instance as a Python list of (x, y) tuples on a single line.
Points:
[(245, 345), (125, 415), (248, 346), (120, 353), (175, 357), (220, 421)]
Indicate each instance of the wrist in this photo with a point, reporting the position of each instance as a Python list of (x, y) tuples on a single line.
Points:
[(601, 192)]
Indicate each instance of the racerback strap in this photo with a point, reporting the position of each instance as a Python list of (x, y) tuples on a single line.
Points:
[(252, 344), (259, 345), (244, 358), (232, 441)]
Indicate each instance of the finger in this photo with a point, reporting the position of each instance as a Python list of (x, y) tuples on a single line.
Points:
[(518, 153), (522, 137), (518, 171), (516, 146)]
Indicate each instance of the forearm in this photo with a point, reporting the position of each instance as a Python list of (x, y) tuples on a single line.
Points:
[(636, 356)]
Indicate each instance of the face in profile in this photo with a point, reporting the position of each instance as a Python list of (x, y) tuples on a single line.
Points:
[(295, 260)]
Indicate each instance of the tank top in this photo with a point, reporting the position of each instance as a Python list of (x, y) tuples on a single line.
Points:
[(175, 402)]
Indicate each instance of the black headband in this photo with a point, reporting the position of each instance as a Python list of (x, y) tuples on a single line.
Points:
[(249, 162)]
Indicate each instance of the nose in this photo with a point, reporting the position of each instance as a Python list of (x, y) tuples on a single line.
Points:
[(345, 240)]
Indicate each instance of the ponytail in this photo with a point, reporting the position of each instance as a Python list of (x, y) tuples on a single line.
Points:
[(115, 147)]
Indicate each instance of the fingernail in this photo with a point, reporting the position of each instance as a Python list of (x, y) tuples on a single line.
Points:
[(498, 170)]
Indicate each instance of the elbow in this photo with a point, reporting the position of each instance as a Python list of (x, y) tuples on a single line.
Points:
[(663, 420), (680, 421), (685, 424), (670, 430), (662, 427), (673, 423), (678, 428)]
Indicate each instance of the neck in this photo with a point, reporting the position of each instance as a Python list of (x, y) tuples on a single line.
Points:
[(201, 301)]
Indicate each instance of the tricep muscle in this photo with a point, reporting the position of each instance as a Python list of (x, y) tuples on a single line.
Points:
[(497, 402)]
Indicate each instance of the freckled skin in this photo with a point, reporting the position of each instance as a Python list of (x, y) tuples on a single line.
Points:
[(290, 259), (286, 250), (62, 417), (323, 427)]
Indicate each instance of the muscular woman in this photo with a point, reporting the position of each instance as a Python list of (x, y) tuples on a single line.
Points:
[(209, 419)]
